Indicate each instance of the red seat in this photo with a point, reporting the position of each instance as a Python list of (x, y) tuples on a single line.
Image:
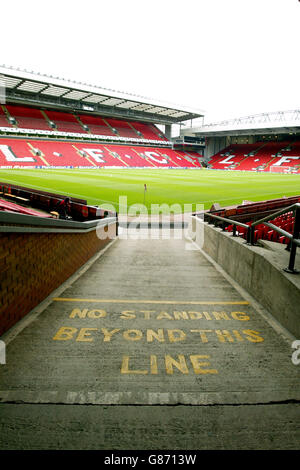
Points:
[(45, 153), (264, 156)]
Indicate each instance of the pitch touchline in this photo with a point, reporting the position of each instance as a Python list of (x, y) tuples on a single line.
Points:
[(181, 302)]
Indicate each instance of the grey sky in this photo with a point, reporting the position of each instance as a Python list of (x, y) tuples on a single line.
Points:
[(229, 57)]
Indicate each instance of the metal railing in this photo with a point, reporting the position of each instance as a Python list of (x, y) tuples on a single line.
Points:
[(226, 221), (294, 240)]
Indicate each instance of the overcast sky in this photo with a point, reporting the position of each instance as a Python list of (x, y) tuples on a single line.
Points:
[(229, 57)]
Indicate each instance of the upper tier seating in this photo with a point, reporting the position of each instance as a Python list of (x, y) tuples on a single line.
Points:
[(3, 119), (123, 129), (148, 131), (48, 120), (65, 122), (28, 118), (30, 152), (97, 125)]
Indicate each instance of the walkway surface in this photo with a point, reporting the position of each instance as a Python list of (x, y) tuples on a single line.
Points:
[(151, 348)]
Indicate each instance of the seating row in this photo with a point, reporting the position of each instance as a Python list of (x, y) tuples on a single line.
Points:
[(31, 118), (263, 232), (261, 156), (45, 153)]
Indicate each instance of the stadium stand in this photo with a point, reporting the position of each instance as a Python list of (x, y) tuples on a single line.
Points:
[(7, 206), (46, 153), (23, 117), (122, 128), (147, 131), (96, 125), (28, 118), (36, 202), (263, 232), (260, 156), (248, 213), (247, 210), (64, 122), (18, 152), (4, 122)]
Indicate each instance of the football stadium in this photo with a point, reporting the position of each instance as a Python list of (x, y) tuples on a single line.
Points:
[(150, 282)]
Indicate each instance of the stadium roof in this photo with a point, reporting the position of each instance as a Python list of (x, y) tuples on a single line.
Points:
[(29, 88), (279, 122)]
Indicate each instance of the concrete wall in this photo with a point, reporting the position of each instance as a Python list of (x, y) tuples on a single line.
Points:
[(258, 270), (243, 139), (214, 145), (168, 131), (32, 265)]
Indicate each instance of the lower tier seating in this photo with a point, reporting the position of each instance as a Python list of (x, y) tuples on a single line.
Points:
[(248, 212), (261, 156), (263, 232), (45, 153), (7, 206)]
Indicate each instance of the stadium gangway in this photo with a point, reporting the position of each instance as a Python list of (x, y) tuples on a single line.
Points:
[(294, 238)]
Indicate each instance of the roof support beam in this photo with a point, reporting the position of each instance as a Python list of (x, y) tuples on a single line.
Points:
[(42, 90)]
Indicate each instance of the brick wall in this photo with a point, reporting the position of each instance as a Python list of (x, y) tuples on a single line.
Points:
[(32, 265)]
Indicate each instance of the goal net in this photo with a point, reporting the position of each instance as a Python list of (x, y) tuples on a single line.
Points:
[(280, 169)]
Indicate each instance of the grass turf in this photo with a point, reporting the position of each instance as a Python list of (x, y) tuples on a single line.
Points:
[(105, 186)]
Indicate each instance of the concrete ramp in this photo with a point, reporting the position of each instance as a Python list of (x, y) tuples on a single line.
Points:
[(151, 348)]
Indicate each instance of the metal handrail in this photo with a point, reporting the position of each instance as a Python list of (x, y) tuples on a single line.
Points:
[(234, 223), (294, 239), (240, 224), (278, 213)]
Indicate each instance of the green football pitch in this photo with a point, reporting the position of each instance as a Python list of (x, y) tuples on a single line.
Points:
[(104, 187)]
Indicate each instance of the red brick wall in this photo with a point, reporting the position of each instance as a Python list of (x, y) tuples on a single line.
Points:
[(32, 265)]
